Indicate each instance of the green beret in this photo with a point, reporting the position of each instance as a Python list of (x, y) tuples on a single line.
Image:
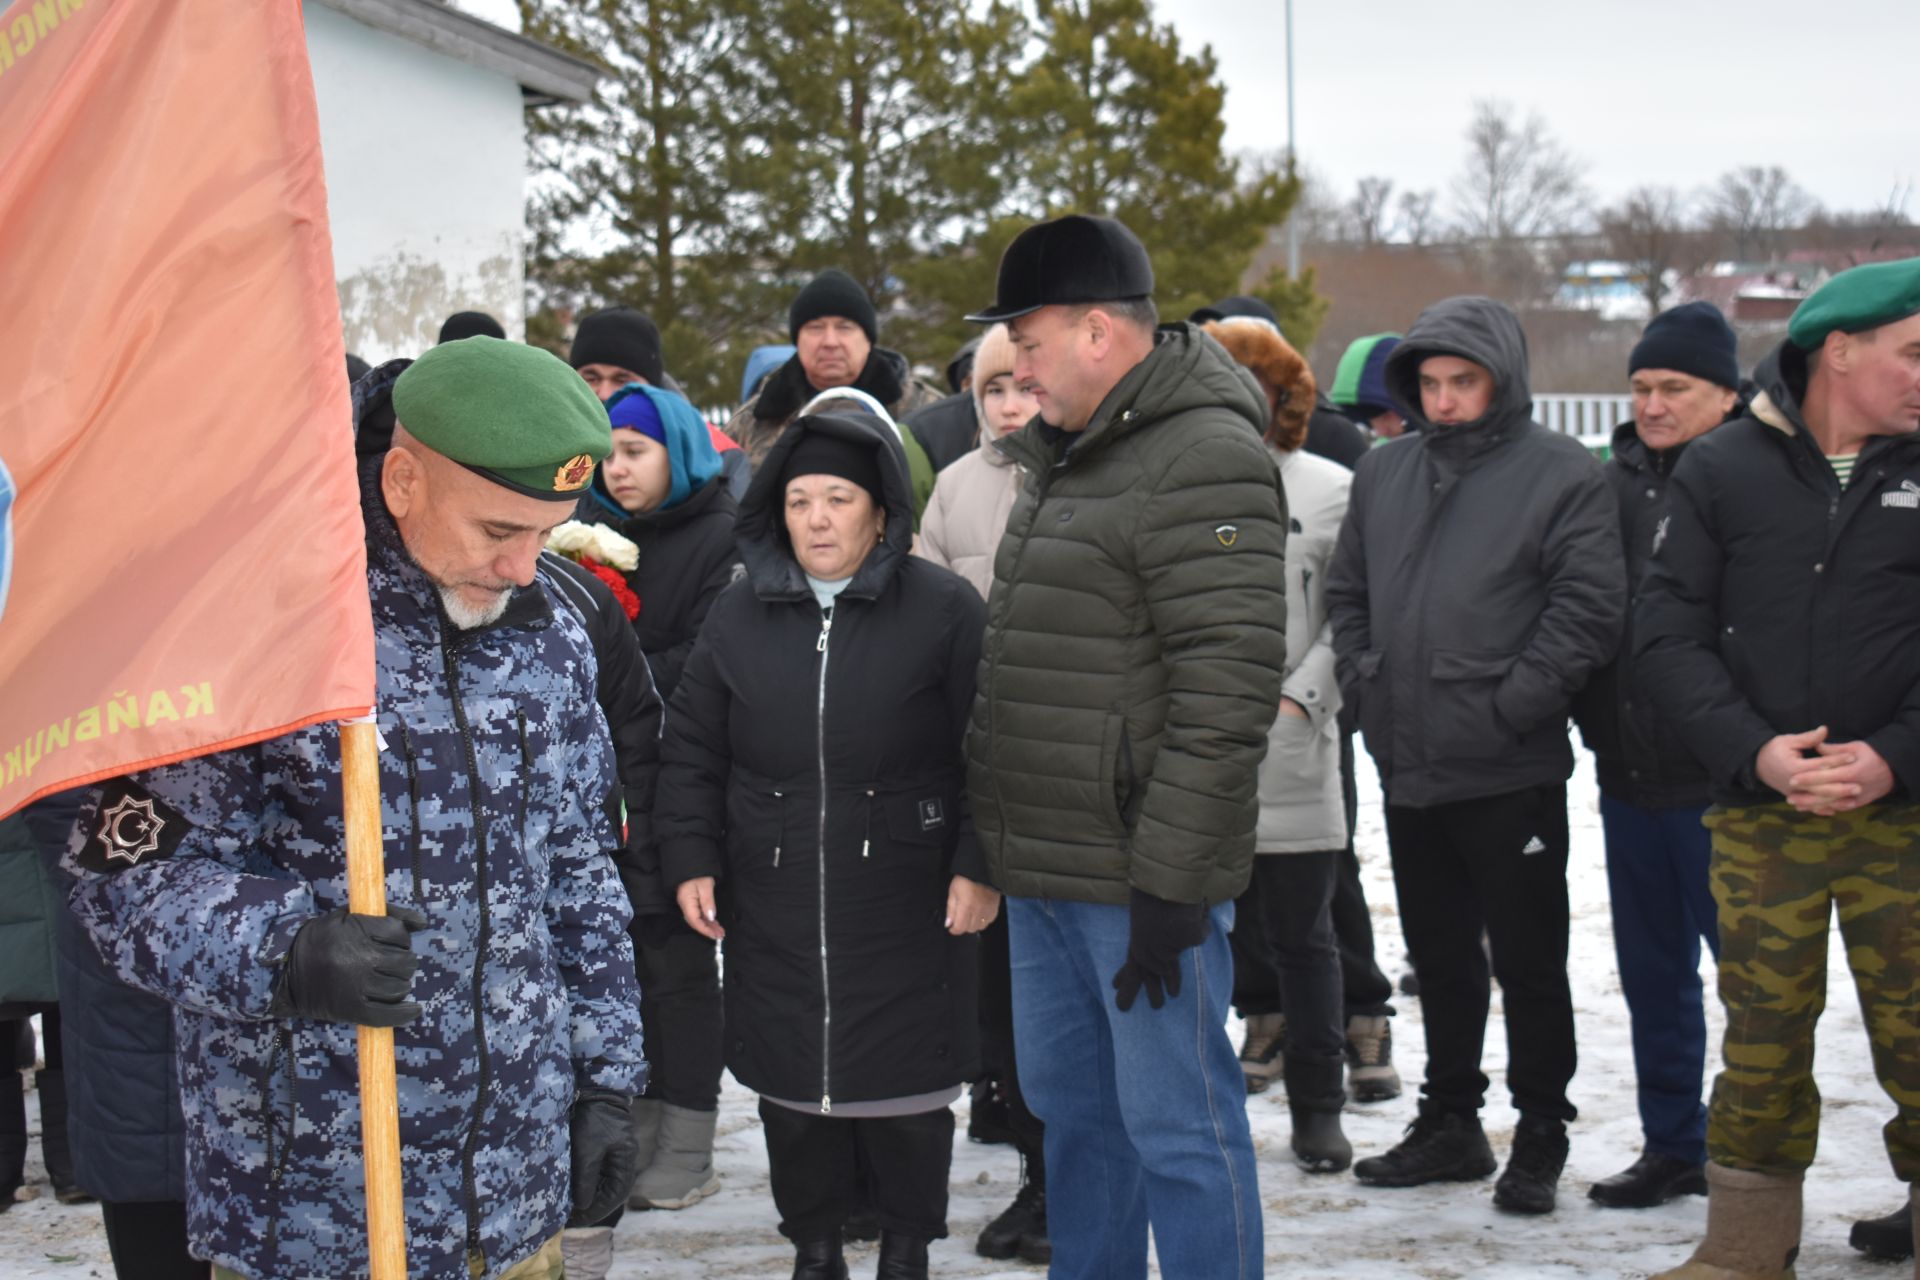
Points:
[(516, 414), (1857, 300)]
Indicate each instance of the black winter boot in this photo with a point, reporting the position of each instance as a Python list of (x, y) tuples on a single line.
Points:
[(987, 1118), (1888, 1239), (53, 1137), (1533, 1170), (1440, 1146), (1021, 1229), (819, 1260), (1652, 1179), (901, 1258), (1315, 1094)]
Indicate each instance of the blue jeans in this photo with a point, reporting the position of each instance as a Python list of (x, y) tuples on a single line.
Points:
[(1662, 906), (1146, 1111)]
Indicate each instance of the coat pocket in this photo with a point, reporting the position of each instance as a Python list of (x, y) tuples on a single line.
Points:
[(1461, 720), (1119, 791), (756, 828)]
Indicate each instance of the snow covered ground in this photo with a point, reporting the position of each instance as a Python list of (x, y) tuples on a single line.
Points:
[(1325, 1226)]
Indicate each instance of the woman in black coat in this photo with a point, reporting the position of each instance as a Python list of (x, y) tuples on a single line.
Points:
[(813, 813)]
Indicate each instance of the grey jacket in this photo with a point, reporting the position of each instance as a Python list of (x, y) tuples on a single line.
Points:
[(1479, 580)]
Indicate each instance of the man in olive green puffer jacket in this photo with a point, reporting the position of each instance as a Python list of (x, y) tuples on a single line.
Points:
[(1135, 650)]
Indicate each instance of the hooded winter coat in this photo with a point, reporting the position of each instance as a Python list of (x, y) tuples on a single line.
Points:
[(686, 547), (1478, 582), (1301, 809), (1776, 601), (495, 809), (968, 512), (1638, 754), (812, 766), (1136, 641)]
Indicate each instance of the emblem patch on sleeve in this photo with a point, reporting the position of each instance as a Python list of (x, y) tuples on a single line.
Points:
[(1228, 534), (133, 827), (933, 814)]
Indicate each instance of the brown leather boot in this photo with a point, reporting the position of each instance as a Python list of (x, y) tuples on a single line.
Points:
[(1753, 1228)]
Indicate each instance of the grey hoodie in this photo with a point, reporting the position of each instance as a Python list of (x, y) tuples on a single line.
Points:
[(1478, 582)]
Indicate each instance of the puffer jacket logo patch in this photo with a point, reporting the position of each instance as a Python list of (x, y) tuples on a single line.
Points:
[(933, 815), (1906, 497), (1228, 534)]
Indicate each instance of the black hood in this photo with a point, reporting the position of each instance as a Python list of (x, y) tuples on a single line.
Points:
[(1476, 329), (761, 534)]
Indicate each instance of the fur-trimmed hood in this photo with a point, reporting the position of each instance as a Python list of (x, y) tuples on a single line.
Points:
[(1282, 373)]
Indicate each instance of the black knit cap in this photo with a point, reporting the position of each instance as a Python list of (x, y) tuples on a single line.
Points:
[(1239, 304), (819, 454), (1066, 262), (470, 324), (1693, 338), (622, 337), (833, 293)]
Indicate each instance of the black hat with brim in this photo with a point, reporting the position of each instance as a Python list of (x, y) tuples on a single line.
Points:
[(1069, 261)]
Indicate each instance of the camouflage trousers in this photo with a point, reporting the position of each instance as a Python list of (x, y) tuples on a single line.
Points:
[(1778, 875), (544, 1265)]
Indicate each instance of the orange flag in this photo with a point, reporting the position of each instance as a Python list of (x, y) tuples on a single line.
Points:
[(182, 560)]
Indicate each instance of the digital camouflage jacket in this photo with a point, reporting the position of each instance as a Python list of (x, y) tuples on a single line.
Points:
[(495, 782)]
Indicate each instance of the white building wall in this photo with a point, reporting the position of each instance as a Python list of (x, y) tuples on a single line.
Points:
[(426, 175)]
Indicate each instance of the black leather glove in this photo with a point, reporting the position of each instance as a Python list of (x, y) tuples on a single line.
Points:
[(1158, 931), (345, 967), (606, 1155)]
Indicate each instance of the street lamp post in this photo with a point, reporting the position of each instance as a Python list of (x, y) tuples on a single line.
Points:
[(1293, 160)]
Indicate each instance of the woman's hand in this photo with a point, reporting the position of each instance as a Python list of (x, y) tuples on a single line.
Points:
[(971, 906), (696, 904)]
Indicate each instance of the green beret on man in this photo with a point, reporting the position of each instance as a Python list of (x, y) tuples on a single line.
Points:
[(1856, 300), (516, 414)]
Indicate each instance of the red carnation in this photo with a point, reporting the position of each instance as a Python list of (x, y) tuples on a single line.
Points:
[(621, 591)]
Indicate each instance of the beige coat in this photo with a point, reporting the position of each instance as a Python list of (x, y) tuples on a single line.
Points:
[(968, 512), (1301, 810)]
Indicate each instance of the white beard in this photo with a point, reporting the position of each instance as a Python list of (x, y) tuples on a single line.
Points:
[(464, 616)]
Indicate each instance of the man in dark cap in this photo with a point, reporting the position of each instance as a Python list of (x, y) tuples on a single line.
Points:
[(1134, 657), (1477, 585), (835, 330), (470, 324), (503, 961), (1684, 374), (1778, 631), (949, 428)]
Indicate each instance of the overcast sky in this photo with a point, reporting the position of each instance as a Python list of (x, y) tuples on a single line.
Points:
[(1672, 92)]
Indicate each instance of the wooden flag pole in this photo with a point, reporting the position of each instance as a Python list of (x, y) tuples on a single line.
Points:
[(379, 1095)]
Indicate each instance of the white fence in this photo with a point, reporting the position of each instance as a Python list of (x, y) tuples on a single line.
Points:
[(1591, 418)]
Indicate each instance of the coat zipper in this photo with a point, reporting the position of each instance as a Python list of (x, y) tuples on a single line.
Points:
[(820, 748), (468, 1184), (782, 807)]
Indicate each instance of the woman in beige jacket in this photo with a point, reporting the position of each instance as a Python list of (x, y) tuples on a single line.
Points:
[(964, 519), (1284, 952)]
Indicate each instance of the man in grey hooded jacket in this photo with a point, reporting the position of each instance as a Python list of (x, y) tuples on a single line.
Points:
[(1477, 583)]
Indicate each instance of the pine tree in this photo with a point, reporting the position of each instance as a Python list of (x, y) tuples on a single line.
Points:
[(636, 201)]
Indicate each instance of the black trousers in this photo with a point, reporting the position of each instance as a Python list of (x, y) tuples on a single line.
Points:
[(680, 1011), (996, 1039), (148, 1241), (1284, 955), (812, 1162), (1496, 865), (1365, 989)]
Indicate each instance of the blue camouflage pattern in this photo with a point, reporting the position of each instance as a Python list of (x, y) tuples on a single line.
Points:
[(514, 814)]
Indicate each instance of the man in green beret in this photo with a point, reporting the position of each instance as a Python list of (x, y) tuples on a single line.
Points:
[(1778, 630), (503, 963)]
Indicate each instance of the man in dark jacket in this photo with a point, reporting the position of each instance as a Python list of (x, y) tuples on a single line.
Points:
[(1477, 585), (836, 332), (949, 428), (1779, 629), (216, 883), (1135, 650), (1652, 791)]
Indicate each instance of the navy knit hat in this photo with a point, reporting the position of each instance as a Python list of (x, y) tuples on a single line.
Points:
[(834, 293), (1693, 338)]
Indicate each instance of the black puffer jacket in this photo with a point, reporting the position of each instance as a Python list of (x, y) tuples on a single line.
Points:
[(812, 762), (1637, 752), (1776, 601), (1478, 582), (686, 557)]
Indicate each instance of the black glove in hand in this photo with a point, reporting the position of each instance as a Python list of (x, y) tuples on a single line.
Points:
[(345, 967), (1158, 932), (606, 1155)]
